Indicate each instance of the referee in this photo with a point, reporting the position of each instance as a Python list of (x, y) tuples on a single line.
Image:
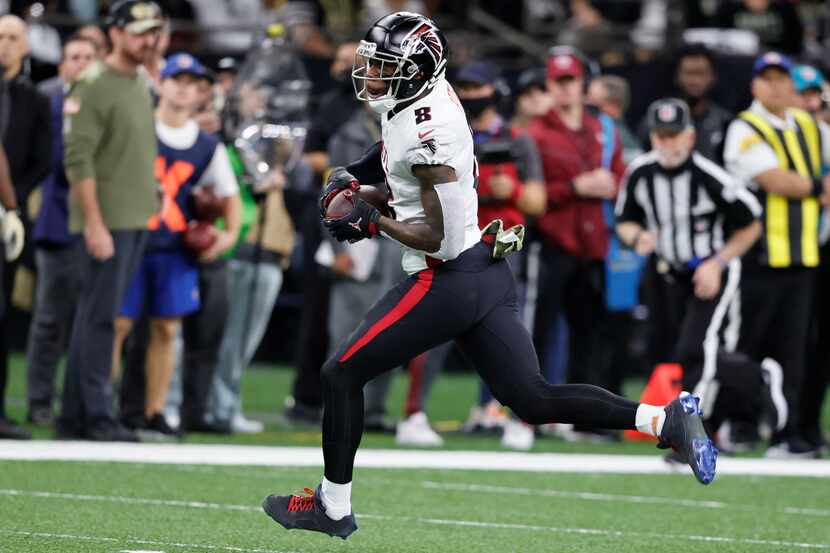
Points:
[(698, 221), (779, 153)]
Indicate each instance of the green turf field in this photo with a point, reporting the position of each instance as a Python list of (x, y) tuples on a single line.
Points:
[(74, 507), (115, 508)]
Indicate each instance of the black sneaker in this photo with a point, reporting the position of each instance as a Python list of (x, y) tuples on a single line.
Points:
[(222, 428), (683, 432), (301, 415), (40, 415), (157, 424), (9, 430), (106, 430), (306, 512)]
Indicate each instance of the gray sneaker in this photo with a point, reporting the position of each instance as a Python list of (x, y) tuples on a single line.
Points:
[(306, 512)]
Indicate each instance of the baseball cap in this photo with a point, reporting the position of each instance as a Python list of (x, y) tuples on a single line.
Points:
[(669, 114), (183, 63), (806, 77), (136, 16), (477, 72), (771, 59), (530, 78), (564, 65)]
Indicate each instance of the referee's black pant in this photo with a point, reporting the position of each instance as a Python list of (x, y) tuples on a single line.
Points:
[(472, 300), (728, 383), (775, 317)]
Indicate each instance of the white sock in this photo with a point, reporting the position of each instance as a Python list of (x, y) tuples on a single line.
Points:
[(649, 419), (337, 499)]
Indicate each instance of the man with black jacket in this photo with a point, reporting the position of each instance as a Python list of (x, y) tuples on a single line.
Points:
[(694, 78), (25, 130)]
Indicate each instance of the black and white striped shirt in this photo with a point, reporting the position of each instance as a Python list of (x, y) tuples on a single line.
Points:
[(690, 208)]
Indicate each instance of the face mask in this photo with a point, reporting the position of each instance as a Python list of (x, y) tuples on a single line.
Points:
[(476, 106)]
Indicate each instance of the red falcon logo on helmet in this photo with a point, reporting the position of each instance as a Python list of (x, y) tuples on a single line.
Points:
[(424, 37)]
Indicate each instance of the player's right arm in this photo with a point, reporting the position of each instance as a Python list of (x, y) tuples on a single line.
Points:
[(83, 132), (442, 231)]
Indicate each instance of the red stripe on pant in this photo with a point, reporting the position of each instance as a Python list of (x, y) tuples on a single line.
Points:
[(415, 395), (407, 304)]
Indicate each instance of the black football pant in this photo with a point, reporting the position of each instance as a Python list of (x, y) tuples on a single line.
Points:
[(471, 299)]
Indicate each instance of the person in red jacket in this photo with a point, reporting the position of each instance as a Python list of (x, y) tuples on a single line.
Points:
[(573, 230)]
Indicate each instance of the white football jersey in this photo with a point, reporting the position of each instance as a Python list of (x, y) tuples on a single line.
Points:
[(430, 131)]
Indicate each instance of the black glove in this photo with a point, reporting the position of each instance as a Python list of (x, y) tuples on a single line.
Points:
[(361, 223), (339, 179)]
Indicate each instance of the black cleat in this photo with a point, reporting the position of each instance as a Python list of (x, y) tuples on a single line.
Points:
[(683, 432), (306, 512)]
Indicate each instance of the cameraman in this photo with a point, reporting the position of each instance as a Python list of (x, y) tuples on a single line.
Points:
[(510, 181), (510, 186)]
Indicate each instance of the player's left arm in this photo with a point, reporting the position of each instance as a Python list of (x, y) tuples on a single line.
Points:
[(441, 234)]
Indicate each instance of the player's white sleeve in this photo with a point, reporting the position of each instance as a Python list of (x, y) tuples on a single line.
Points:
[(219, 173), (452, 207)]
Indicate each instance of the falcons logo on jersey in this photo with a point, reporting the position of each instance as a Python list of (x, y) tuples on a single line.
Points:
[(423, 38), (430, 145)]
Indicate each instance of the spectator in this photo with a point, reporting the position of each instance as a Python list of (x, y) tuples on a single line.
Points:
[(27, 141), (610, 95), (155, 64), (167, 279), (272, 96), (206, 113), (96, 35), (78, 52), (109, 159), (573, 229), (532, 99), (226, 70), (776, 22), (256, 276), (335, 108), (809, 82), (780, 271), (694, 78), (12, 244), (204, 330), (511, 182), (58, 283)]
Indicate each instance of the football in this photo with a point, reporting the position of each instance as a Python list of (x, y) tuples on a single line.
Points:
[(206, 205), (342, 204), (199, 236)]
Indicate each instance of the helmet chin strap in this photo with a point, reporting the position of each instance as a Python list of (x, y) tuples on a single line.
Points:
[(386, 103)]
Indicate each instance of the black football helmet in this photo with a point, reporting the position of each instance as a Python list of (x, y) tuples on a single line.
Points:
[(406, 51)]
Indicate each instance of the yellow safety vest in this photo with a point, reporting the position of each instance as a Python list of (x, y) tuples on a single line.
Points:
[(790, 237)]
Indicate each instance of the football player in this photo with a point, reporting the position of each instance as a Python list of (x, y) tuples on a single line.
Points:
[(458, 287)]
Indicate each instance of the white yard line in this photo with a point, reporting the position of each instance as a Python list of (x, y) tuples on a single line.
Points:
[(138, 541), (429, 521), (201, 454), (593, 496)]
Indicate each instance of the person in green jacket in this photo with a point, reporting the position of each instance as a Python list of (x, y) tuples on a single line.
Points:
[(110, 151)]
